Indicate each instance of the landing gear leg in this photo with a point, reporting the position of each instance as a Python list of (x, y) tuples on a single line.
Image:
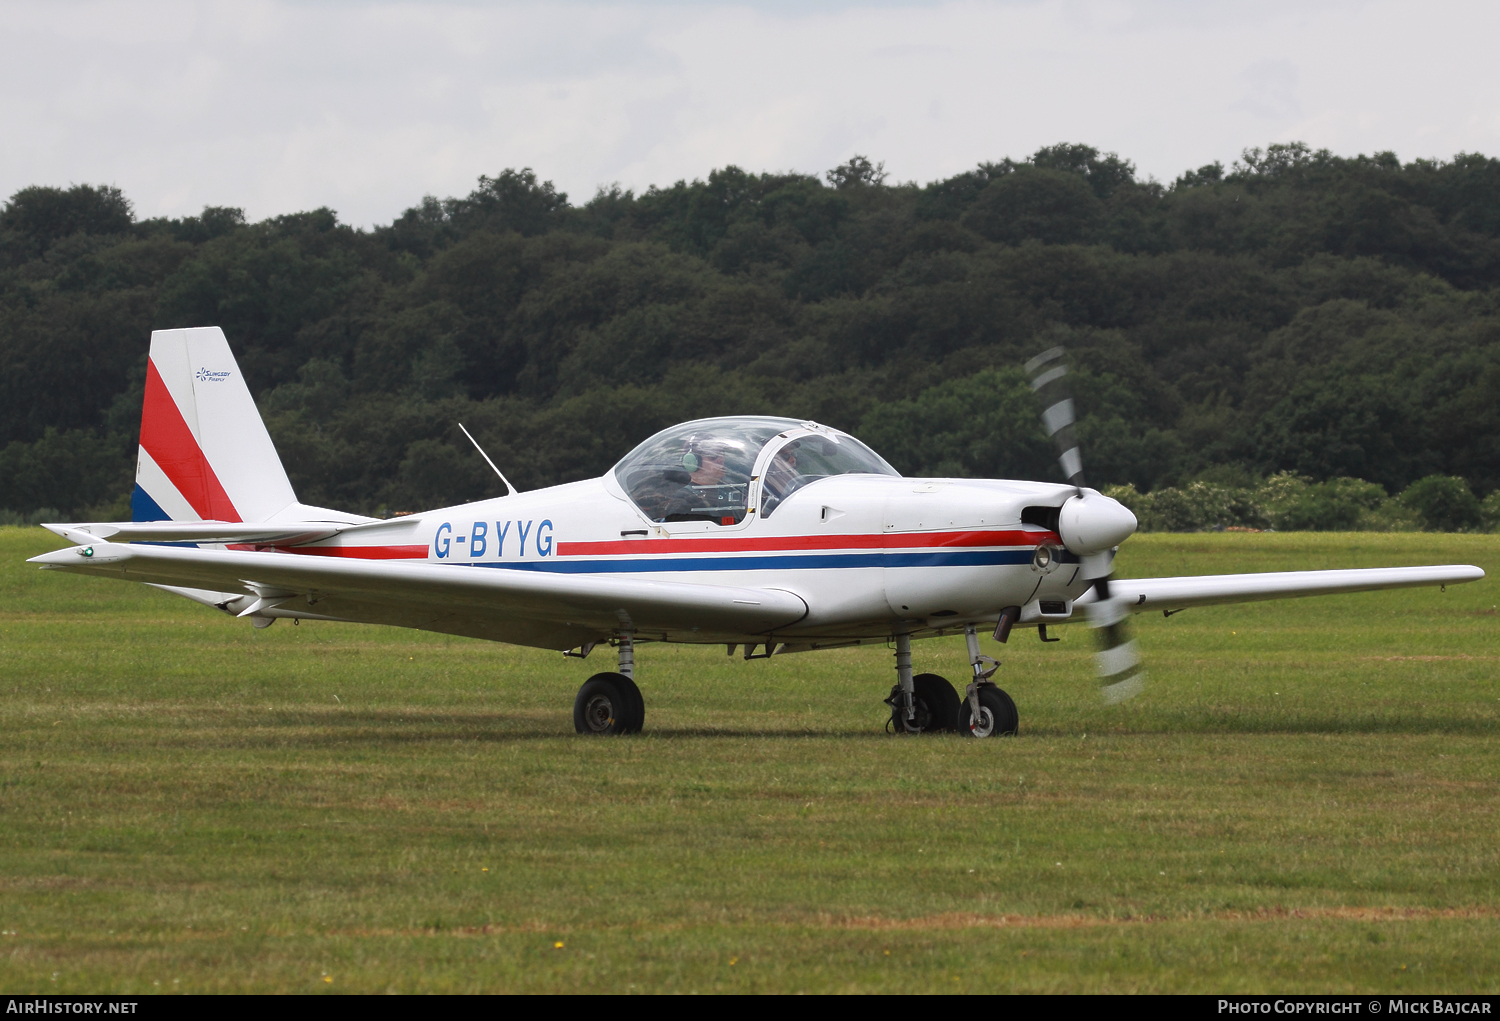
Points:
[(637, 707), (903, 700), (627, 655), (977, 664), (987, 711)]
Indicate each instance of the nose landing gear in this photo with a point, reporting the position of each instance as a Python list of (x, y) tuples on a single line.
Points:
[(987, 711)]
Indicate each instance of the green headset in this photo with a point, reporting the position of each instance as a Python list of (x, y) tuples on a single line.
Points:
[(692, 458)]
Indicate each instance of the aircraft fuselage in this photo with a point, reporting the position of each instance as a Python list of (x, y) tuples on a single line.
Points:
[(863, 552)]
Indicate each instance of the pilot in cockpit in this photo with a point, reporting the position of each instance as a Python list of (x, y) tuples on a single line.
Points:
[(705, 460), (702, 493)]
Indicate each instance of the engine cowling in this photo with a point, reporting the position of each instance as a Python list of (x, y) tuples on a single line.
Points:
[(1092, 523)]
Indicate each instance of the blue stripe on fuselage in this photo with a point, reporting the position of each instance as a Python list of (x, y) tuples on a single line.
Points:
[(796, 562)]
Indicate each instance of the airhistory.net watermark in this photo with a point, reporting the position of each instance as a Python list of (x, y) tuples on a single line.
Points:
[(54, 1005)]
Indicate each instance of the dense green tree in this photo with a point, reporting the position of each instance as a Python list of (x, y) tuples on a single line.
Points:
[(1033, 203), (39, 217), (984, 425), (1296, 312), (67, 469)]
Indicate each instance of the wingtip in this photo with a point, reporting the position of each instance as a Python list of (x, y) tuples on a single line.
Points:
[(76, 556), (58, 556)]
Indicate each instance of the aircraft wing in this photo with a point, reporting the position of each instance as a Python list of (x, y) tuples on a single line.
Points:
[(1208, 590), (545, 610)]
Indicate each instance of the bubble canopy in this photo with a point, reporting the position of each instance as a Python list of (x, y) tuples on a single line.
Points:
[(705, 470)]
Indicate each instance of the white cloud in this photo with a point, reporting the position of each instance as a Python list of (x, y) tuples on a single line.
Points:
[(365, 107)]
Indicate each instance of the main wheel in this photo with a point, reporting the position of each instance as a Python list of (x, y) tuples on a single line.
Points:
[(637, 718), (936, 705), (608, 704), (997, 715)]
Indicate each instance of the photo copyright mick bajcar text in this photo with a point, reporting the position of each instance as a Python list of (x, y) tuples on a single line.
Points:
[(1388, 1005)]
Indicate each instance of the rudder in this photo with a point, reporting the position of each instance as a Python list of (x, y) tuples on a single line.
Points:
[(205, 454)]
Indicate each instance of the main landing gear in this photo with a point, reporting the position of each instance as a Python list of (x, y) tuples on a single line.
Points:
[(927, 703), (610, 703)]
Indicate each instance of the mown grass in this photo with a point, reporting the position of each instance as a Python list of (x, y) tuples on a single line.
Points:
[(1304, 799)]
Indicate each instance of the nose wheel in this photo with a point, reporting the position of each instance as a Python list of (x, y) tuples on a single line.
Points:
[(987, 711), (997, 716)]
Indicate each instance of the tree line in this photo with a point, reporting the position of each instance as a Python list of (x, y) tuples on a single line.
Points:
[(1296, 314)]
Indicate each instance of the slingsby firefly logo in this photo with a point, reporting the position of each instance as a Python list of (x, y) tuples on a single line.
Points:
[(209, 376)]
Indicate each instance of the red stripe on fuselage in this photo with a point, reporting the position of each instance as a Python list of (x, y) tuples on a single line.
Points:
[(171, 444), (791, 543)]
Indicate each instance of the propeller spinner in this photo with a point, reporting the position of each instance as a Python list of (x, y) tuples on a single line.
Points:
[(1090, 525)]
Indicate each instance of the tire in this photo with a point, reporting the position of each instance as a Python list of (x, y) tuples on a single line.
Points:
[(637, 717), (941, 700), (937, 706), (605, 705), (998, 715)]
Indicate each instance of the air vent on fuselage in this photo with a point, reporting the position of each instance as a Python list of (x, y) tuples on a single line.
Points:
[(1042, 517)]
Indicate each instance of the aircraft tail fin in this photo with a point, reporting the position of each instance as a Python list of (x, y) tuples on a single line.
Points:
[(205, 454)]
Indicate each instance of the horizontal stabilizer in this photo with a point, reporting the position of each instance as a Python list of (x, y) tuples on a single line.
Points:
[(282, 533)]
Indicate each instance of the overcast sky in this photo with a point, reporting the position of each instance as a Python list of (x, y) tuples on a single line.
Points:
[(365, 107)]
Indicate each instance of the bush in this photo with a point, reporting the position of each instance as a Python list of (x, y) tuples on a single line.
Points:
[(1196, 507), (36, 517), (1489, 512), (1444, 503), (1220, 499), (1339, 505), (1391, 516)]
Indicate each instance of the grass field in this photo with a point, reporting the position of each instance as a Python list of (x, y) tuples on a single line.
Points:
[(1304, 799)]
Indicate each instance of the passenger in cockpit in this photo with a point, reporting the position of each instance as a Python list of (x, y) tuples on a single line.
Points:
[(781, 477)]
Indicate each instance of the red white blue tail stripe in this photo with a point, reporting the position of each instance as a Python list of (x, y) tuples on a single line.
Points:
[(204, 454)]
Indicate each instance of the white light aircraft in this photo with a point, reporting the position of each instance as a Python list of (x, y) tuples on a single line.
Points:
[(769, 535)]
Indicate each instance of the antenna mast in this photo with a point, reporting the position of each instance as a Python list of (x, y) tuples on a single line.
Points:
[(512, 489)]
